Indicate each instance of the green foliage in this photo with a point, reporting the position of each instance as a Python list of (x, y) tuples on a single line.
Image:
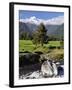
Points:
[(35, 38), (39, 36), (25, 36), (52, 38), (62, 44), (52, 47)]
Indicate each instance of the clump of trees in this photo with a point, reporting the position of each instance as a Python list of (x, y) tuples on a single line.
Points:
[(25, 36)]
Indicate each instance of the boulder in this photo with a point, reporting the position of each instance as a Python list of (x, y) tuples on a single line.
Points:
[(55, 70), (49, 69), (60, 71), (28, 59)]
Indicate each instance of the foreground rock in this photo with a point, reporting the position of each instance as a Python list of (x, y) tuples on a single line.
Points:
[(49, 69), (28, 59)]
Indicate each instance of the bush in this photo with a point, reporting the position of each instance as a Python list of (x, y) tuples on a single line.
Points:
[(62, 44), (52, 47), (27, 52), (58, 47), (39, 52)]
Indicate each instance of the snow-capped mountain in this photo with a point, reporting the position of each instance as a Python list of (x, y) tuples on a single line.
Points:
[(54, 26), (53, 21)]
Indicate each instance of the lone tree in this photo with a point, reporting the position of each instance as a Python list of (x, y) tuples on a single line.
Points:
[(39, 36)]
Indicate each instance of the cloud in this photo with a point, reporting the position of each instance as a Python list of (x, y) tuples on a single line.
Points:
[(32, 19), (53, 21)]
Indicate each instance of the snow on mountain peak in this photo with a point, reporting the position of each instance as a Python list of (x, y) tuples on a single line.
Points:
[(53, 21)]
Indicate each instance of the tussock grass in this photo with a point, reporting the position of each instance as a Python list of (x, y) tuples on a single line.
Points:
[(57, 54)]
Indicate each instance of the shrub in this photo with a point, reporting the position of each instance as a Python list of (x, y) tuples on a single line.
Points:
[(39, 52), (62, 44), (52, 47), (26, 52), (58, 47)]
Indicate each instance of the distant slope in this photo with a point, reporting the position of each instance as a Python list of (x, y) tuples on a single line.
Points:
[(59, 32), (23, 27), (55, 30), (51, 28)]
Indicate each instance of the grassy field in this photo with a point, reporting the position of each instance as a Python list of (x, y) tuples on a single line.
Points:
[(47, 49), (27, 45)]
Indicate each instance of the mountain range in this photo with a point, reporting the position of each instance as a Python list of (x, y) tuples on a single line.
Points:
[(54, 26)]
